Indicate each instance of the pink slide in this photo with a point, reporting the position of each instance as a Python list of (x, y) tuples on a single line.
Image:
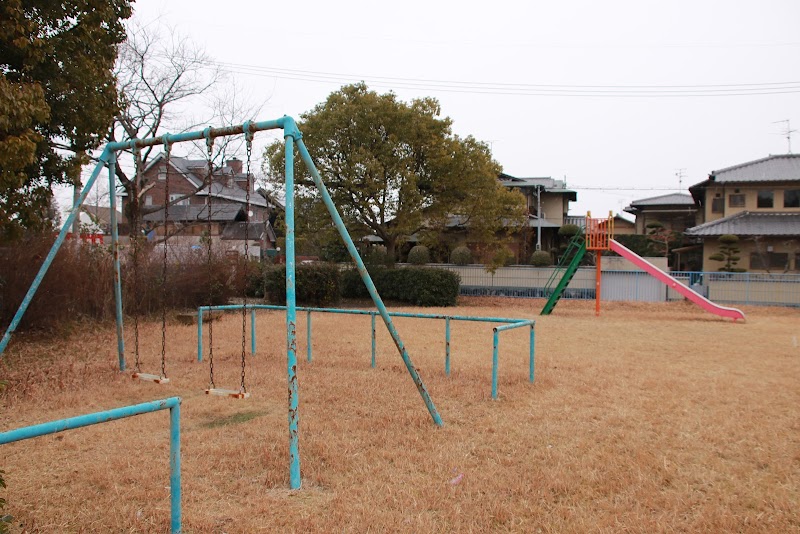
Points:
[(673, 283)]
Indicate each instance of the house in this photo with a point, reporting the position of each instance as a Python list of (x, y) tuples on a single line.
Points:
[(621, 225), (188, 217), (675, 211), (758, 201), (547, 204), (100, 217)]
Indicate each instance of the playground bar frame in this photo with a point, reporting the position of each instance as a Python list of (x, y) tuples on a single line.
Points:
[(511, 324), (173, 404)]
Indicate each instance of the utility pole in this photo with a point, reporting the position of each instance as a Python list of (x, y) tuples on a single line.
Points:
[(538, 217), (787, 132)]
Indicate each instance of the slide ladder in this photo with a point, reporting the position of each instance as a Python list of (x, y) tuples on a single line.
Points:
[(568, 266)]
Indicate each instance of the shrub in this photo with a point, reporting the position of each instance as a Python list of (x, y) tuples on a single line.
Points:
[(461, 256), (540, 258), (421, 286), (729, 253), (419, 255), (80, 282), (316, 284), (569, 230), (377, 257)]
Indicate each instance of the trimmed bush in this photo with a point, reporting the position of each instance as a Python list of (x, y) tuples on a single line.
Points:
[(421, 286), (461, 256), (377, 257), (540, 258), (419, 255), (569, 230), (316, 284)]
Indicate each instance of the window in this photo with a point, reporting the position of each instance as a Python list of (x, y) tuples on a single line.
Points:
[(717, 205), (765, 198), (162, 173), (148, 200), (791, 198), (736, 201), (797, 261), (769, 260), (176, 196)]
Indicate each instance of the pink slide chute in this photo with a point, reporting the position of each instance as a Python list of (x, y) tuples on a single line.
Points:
[(700, 300)]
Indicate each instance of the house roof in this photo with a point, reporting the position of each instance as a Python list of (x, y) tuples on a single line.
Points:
[(101, 214), (548, 185), (255, 230), (195, 171), (671, 199), (777, 168), (749, 223), (180, 213)]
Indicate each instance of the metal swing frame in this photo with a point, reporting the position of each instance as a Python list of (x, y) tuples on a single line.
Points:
[(293, 137)]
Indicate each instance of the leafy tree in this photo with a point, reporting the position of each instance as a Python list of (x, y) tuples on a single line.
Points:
[(419, 255), (57, 98), (541, 258), (394, 169), (661, 237), (729, 253)]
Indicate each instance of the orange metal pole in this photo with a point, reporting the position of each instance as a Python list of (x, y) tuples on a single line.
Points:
[(597, 285)]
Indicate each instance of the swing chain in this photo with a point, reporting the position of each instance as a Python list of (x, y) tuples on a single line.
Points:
[(168, 153), (248, 135), (209, 179), (135, 251)]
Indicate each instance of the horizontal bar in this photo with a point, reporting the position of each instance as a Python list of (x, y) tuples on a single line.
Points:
[(285, 122), (522, 322), (514, 325), (86, 420)]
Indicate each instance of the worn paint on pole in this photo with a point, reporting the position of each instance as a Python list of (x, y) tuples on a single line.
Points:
[(112, 194), (26, 301), (372, 321), (291, 313), (200, 334), (531, 354), (308, 334), (175, 466), (495, 360), (447, 346), (351, 248), (253, 332), (61, 425)]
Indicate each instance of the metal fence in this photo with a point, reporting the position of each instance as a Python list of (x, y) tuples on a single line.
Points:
[(724, 288)]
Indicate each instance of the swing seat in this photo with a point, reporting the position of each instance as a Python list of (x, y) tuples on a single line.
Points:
[(233, 393), (158, 379)]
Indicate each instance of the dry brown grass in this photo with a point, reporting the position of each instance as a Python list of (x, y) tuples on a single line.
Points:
[(650, 418)]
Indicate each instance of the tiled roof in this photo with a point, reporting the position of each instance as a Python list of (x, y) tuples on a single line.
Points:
[(219, 212), (255, 230), (672, 199), (749, 223), (785, 167)]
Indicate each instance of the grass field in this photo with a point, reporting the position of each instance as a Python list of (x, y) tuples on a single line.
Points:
[(650, 418)]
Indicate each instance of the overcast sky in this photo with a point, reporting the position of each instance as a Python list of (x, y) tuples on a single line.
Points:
[(616, 96)]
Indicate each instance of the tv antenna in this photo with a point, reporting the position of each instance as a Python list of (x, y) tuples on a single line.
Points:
[(680, 173), (787, 132)]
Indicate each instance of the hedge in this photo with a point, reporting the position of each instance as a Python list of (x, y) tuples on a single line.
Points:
[(316, 284), (420, 286)]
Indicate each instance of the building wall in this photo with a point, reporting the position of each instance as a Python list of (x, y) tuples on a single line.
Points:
[(750, 192), (748, 246), (675, 219), (554, 205)]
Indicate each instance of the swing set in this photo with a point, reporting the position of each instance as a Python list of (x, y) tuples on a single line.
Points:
[(293, 139)]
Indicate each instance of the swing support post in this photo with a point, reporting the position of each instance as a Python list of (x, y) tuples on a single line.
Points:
[(112, 188)]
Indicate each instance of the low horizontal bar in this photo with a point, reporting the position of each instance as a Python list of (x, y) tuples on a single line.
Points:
[(86, 420), (514, 325), (519, 322)]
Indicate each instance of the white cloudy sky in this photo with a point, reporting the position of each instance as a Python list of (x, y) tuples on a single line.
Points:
[(575, 89)]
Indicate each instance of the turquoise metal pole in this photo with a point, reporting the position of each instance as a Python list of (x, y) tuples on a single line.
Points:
[(308, 334), (26, 301), (200, 313), (495, 360), (175, 466), (447, 346), (172, 403), (112, 193), (291, 315), (530, 357), (252, 332), (351, 248), (372, 320)]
